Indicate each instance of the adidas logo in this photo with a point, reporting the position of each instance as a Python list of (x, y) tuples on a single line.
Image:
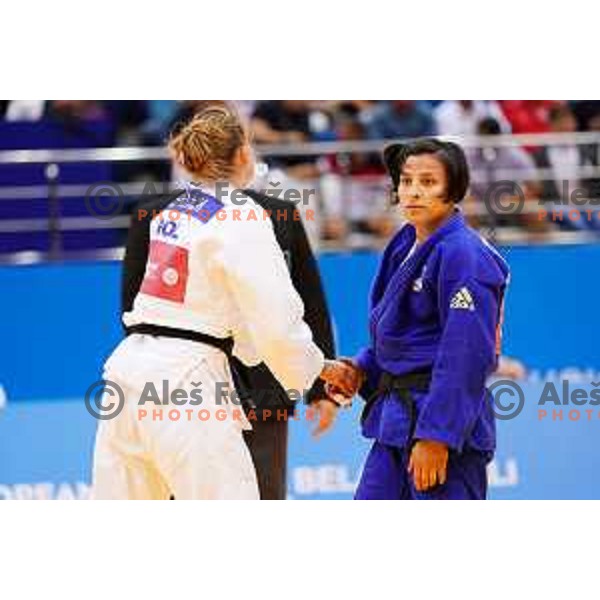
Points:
[(462, 300)]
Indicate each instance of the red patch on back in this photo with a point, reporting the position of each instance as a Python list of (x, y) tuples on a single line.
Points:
[(166, 272)]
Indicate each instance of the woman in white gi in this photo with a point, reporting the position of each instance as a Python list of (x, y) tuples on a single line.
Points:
[(215, 278)]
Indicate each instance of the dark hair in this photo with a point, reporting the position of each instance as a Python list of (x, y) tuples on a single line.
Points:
[(489, 126), (451, 155), (558, 112)]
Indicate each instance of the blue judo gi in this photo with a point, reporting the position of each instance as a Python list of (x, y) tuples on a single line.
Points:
[(435, 312)]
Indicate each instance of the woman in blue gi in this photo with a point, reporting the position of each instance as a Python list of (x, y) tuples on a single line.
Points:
[(435, 317)]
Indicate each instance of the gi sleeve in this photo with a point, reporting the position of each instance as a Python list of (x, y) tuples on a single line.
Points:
[(136, 256), (258, 278), (366, 360), (469, 313), (307, 281)]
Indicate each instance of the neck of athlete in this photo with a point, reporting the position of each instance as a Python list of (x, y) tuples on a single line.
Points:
[(427, 227), (235, 181)]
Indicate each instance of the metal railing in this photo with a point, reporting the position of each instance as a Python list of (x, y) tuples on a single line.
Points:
[(55, 191), (127, 154)]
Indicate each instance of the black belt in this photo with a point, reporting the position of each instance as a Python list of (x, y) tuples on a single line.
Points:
[(223, 344), (403, 386)]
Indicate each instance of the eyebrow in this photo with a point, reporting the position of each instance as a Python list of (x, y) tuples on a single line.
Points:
[(429, 173)]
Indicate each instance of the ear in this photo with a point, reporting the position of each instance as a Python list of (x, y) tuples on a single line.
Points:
[(176, 157)]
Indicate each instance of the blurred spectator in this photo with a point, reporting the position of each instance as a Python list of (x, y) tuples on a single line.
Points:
[(591, 152), (354, 193), (128, 117), (529, 116), (245, 108), (24, 110), (285, 122), (564, 161), (359, 110), (160, 115), (490, 165), (400, 119), (57, 124), (77, 110), (462, 117), (281, 122), (292, 122), (84, 120), (354, 107), (587, 113), (348, 128), (487, 161)]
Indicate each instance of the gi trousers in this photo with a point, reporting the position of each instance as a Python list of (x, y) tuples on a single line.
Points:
[(187, 458), (385, 476), (268, 446)]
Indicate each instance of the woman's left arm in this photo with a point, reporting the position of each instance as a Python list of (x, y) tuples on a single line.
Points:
[(469, 301)]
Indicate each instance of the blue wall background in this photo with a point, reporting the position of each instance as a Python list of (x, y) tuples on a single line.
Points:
[(61, 321)]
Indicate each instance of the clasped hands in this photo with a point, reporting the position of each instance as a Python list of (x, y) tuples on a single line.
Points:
[(343, 378)]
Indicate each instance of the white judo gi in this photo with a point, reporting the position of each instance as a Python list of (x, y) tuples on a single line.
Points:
[(224, 276)]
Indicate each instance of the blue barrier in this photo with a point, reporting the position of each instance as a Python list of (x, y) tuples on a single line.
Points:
[(61, 322), (53, 133)]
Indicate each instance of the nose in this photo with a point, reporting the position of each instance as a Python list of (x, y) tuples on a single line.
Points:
[(415, 191)]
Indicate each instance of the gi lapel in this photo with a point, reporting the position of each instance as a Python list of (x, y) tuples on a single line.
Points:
[(393, 287), (395, 251)]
